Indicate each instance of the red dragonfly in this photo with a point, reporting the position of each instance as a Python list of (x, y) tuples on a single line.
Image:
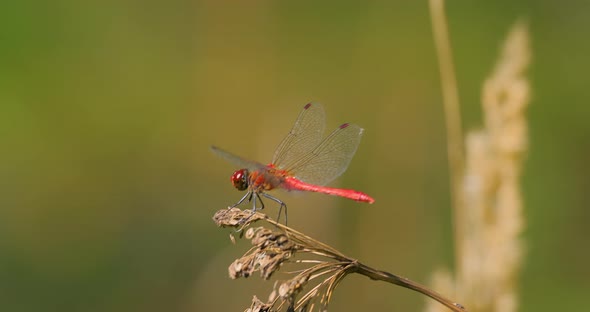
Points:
[(303, 161)]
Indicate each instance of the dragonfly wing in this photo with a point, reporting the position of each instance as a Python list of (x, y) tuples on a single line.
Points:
[(235, 159), (305, 135), (330, 158)]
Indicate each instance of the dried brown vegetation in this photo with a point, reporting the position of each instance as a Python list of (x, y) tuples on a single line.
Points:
[(316, 269)]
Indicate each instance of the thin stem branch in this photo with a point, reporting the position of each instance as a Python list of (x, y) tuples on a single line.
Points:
[(455, 147), (409, 284)]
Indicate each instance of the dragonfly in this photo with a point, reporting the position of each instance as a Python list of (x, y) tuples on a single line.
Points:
[(303, 161)]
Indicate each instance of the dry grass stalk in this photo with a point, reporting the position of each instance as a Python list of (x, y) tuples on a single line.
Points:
[(491, 249), (320, 268), (455, 149)]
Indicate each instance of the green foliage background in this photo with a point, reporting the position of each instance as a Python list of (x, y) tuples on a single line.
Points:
[(107, 111)]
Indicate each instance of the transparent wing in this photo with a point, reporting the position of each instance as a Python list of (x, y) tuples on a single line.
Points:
[(305, 135), (236, 160), (330, 158)]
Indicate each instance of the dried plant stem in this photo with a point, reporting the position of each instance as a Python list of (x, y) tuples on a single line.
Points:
[(406, 283), (357, 267), (455, 147), (274, 248)]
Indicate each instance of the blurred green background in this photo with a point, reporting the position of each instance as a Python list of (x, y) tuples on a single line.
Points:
[(107, 111)]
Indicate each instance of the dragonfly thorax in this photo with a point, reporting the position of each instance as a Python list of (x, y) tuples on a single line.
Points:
[(239, 179)]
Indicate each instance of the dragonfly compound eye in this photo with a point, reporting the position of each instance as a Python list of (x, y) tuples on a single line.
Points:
[(240, 179)]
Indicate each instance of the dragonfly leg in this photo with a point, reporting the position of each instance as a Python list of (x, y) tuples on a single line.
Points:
[(247, 196), (280, 202), (254, 208), (252, 196)]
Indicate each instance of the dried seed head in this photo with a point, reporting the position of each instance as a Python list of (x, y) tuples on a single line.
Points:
[(259, 236), (241, 268), (292, 287), (272, 296), (250, 233), (258, 306), (234, 217), (271, 250), (267, 239)]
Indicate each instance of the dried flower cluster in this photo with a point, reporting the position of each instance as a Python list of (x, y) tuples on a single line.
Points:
[(271, 249), (490, 217), (493, 249), (320, 267)]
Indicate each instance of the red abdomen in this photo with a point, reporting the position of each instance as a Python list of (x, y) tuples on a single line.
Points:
[(291, 183)]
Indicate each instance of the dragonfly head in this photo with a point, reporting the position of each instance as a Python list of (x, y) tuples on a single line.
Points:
[(240, 179)]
